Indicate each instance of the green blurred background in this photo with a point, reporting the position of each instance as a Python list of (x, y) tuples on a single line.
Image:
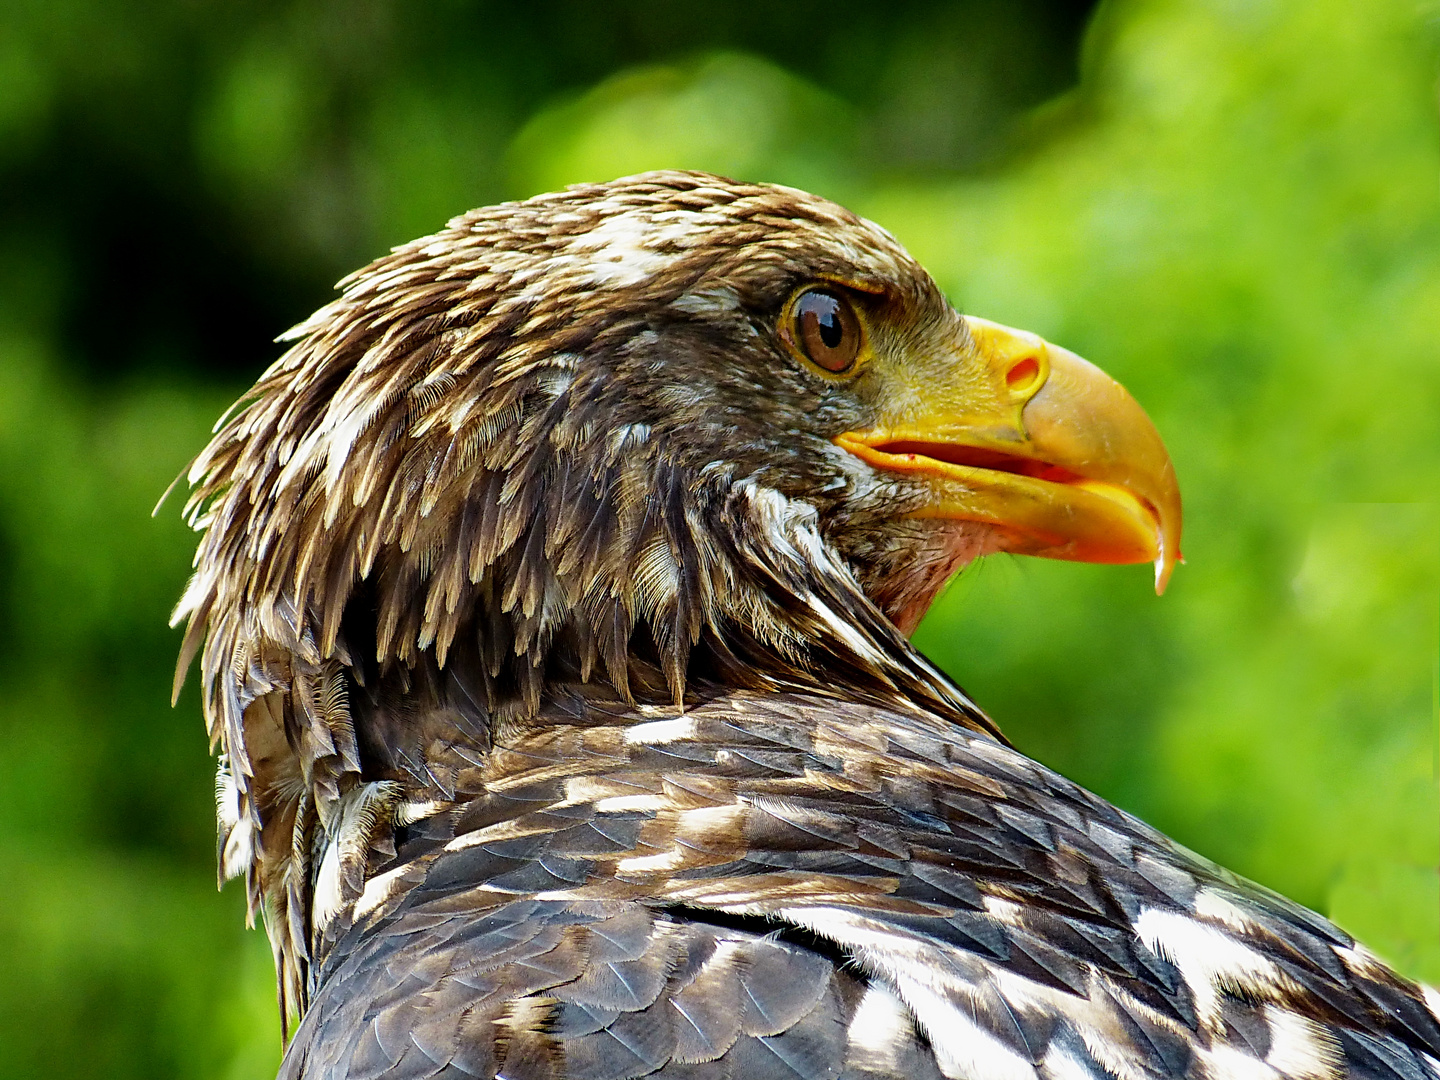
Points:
[(1232, 205)]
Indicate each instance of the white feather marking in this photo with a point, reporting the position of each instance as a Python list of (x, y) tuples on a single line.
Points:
[(407, 813), (616, 804), (328, 894), (628, 437), (1212, 905), (1432, 999), (779, 517), (239, 850), (880, 1027), (1108, 1054), (1059, 1064), (1362, 961), (237, 832), (963, 1049), (340, 432), (646, 864), (357, 816), (227, 797), (555, 379), (378, 889), (1001, 910), (692, 828), (844, 630), (622, 249), (1207, 958), (592, 789), (511, 829), (659, 732), (1299, 1047), (1092, 1017), (936, 985), (1225, 1061)]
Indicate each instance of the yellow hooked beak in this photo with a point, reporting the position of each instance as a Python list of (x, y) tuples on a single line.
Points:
[(1044, 446)]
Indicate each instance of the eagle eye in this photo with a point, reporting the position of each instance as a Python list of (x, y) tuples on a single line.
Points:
[(826, 329)]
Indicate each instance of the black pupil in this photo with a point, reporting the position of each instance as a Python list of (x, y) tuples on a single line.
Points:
[(831, 329)]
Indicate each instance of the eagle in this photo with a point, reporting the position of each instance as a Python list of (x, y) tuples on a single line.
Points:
[(553, 607)]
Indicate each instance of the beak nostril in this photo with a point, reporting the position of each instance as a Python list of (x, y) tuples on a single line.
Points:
[(1023, 376)]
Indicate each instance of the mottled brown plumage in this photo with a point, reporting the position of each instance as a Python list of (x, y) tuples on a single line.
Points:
[(550, 642)]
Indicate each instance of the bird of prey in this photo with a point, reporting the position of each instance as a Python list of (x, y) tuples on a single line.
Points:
[(552, 608)]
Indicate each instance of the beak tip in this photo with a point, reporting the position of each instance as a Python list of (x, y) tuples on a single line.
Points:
[(1165, 564)]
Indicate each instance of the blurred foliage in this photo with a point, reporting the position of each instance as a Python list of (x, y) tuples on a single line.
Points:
[(1235, 210)]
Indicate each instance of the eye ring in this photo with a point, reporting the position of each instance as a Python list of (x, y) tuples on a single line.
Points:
[(823, 327)]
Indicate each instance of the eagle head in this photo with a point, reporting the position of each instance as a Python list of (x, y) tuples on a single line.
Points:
[(672, 427)]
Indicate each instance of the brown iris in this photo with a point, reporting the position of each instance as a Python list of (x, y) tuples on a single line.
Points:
[(826, 329)]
